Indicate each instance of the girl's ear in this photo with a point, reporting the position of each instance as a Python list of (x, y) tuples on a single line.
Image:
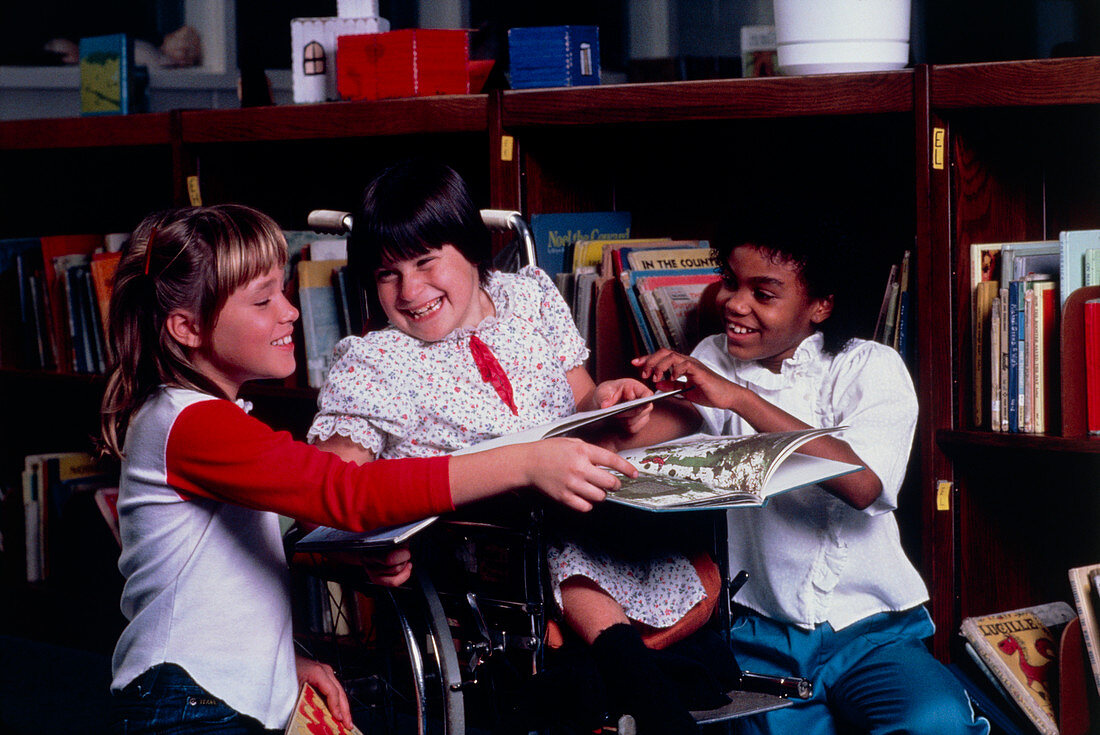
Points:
[(184, 328), (822, 309)]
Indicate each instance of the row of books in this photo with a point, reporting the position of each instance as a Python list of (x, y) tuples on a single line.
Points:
[(1019, 292), (658, 283), (1031, 661), (895, 313), (52, 484), (54, 293)]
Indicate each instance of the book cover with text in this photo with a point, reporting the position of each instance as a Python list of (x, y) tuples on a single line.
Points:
[(555, 234)]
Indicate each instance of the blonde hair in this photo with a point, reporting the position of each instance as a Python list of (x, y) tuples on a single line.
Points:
[(189, 260)]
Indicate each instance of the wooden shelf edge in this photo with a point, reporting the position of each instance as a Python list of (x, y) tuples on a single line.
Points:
[(409, 116), (146, 129), (1041, 82), (765, 97), (954, 441)]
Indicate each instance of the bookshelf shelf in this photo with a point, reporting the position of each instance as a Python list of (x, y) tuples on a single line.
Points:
[(959, 443), (1019, 147), (684, 102), (413, 116)]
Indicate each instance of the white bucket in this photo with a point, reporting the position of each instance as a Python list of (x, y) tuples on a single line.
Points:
[(834, 36)]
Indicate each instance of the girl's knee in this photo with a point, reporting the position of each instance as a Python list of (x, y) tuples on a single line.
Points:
[(945, 715)]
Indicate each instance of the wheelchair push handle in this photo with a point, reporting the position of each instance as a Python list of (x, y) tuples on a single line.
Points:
[(329, 221), (336, 222)]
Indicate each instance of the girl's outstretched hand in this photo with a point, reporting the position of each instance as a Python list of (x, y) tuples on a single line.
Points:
[(611, 392), (322, 678), (570, 471), (705, 387)]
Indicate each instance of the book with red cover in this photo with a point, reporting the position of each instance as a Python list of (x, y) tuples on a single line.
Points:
[(52, 247), (1092, 363), (312, 717)]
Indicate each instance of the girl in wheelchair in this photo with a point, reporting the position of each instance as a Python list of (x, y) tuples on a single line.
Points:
[(198, 309), (470, 354)]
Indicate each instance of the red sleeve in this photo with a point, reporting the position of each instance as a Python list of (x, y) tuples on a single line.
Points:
[(216, 450)]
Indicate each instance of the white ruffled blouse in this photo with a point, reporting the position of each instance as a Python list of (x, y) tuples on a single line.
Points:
[(812, 558)]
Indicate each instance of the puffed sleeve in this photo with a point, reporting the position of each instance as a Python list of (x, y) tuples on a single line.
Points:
[(360, 399), (873, 395), (556, 320)]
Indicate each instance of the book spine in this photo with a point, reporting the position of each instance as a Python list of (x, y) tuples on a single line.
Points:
[(1080, 586), (1003, 361), (1008, 680), (1092, 364), (1013, 355), (995, 365), (1027, 395)]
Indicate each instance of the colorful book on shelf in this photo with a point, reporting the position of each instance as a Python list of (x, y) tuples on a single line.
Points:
[(1030, 257), (1092, 364), (1084, 582), (1005, 324), (704, 472), (983, 296), (320, 316), (555, 234), (648, 326), (54, 246), (1092, 266), (677, 298), (889, 295), (900, 329), (678, 258), (1020, 647), (993, 364), (1072, 246), (103, 269)]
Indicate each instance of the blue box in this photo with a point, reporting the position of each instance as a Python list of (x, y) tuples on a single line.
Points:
[(554, 56)]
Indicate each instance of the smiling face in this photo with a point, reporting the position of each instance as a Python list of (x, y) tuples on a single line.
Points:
[(766, 308), (251, 339), (428, 296)]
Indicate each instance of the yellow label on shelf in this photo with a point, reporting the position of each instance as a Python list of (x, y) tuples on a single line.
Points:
[(943, 495), (506, 146), (193, 193), (939, 137)]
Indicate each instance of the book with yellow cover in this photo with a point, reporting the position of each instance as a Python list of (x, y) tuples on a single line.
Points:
[(1021, 650)]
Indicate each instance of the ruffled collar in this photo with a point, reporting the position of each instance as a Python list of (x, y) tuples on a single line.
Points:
[(498, 293), (806, 360)]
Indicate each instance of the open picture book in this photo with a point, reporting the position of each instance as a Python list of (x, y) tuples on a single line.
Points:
[(324, 538), (705, 472)]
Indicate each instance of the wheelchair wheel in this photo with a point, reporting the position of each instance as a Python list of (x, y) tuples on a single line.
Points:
[(392, 651)]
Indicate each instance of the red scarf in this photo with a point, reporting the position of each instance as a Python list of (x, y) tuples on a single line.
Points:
[(491, 371)]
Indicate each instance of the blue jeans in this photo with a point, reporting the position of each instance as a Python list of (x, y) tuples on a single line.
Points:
[(166, 700), (874, 676)]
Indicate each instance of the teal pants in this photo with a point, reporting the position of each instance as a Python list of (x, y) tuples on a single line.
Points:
[(874, 676)]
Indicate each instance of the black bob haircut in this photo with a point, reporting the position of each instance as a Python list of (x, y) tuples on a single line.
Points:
[(410, 209)]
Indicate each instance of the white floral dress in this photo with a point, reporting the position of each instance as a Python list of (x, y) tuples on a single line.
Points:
[(401, 397)]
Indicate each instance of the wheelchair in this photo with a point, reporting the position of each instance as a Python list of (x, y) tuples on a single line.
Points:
[(470, 643)]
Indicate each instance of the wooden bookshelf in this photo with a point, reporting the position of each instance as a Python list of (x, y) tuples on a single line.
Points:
[(1019, 151), (929, 159)]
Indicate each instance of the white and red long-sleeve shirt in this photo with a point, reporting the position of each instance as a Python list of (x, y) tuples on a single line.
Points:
[(206, 577)]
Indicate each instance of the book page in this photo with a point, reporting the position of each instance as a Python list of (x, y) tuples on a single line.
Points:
[(312, 717), (715, 471)]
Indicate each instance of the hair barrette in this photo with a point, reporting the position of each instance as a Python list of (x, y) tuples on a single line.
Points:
[(149, 249)]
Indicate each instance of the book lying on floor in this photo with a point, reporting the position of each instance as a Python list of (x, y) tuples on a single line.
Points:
[(703, 472)]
